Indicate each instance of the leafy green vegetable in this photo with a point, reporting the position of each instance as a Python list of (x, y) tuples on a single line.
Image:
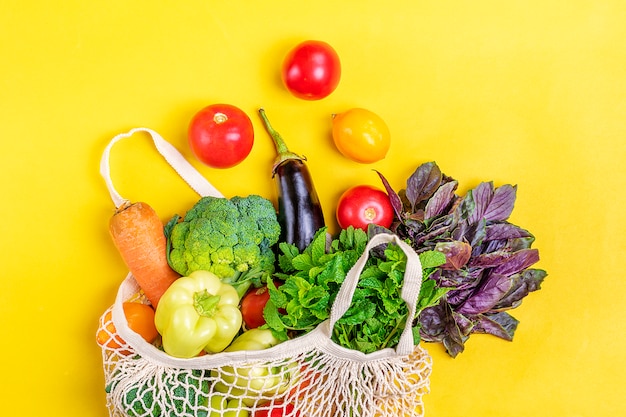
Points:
[(487, 269), (312, 279)]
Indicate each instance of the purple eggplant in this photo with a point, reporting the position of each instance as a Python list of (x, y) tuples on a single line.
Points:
[(299, 210)]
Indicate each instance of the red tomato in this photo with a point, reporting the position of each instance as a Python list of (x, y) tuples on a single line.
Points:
[(311, 70), (362, 205), (221, 135), (279, 409), (252, 305)]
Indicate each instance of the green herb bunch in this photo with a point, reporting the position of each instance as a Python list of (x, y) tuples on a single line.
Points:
[(312, 278)]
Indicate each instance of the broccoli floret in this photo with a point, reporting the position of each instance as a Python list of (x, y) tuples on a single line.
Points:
[(233, 238), (259, 218)]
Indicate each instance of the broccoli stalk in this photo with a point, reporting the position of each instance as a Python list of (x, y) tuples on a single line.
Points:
[(233, 238), (242, 281)]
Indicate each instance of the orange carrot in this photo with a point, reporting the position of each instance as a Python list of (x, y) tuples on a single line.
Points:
[(138, 235)]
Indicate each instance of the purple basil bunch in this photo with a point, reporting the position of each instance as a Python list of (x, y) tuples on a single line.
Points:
[(488, 263)]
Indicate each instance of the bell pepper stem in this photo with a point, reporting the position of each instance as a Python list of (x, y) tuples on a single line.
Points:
[(205, 303)]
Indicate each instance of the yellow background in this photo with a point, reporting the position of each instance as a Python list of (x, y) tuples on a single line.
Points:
[(526, 92)]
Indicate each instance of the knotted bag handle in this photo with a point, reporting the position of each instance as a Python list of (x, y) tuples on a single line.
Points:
[(410, 288), (173, 157)]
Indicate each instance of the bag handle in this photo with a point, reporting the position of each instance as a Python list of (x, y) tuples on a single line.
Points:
[(173, 157), (410, 287)]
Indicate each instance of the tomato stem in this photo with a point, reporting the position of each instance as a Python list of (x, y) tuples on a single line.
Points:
[(220, 118), (370, 213), (284, 154)]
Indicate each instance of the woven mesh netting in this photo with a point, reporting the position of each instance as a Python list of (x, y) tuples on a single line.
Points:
[(310, 382)]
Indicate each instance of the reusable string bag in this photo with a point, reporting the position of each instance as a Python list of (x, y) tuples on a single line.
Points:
[(308, 376)]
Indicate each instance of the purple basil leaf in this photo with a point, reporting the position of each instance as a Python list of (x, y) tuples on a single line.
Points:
[(465, 325), (510, 245), (490, 260), (502, 325), (433, 323), (417, 215), (518, 261), (415, 226), (522, 284), (423, 183), (455, 279), (463, 211), (482, 196), (441, 324), (394, 198), (438, 230), (476, 234), (492, 204), (458, 297), (466, 279), (467, 206), (441, 200), (457, 254), (487, 295), (454, 341), (454, 345), (502, 231), (534, 278), (502, 203), (515, 245), (373, 230), (459, 231), (505, 262), (490, 246)]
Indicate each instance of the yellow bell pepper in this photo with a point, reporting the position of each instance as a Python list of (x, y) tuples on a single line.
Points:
[(198, 312), (257, 382), (221, 406)]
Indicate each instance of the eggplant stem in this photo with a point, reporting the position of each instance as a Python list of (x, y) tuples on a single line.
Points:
[(283, 153)]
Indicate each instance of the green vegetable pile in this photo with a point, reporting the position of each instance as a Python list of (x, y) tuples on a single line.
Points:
[(312, 279), (233, 238)]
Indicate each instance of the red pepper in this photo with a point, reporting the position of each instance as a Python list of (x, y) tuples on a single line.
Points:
[(278, 409)]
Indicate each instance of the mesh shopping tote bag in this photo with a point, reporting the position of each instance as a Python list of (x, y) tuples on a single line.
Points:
[(309, 375)]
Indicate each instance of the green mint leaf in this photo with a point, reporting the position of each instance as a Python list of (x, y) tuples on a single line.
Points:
[(317, 247), (430, 295), (417, 337), (277, 296), (346, 238), (332, 275), (365, 346), (432, 259), (314, 272), (288, 252), (302, 262), (273, 320), (352, 239), (292, 287), (371, 281), (360, 240), (394, 253), (316, 298)]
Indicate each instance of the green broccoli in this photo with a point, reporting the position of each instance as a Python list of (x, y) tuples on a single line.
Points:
[(162, 395), (233, 238)]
